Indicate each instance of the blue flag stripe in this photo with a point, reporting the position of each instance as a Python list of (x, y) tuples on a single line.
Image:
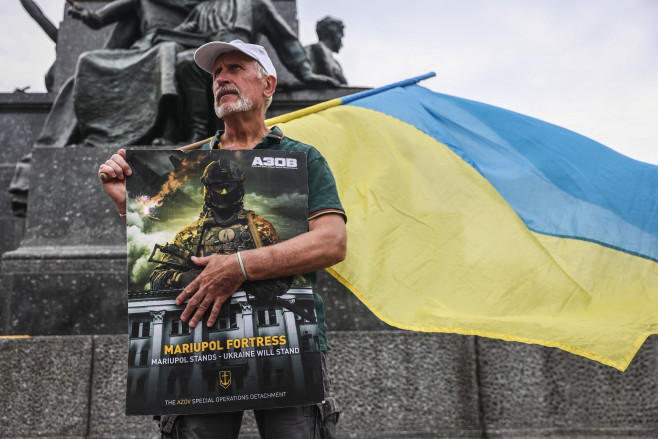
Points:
[(560, 183)]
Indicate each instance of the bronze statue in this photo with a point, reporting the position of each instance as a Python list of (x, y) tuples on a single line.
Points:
[(125, 93), (107, 101), (330, 40), (144, 88)]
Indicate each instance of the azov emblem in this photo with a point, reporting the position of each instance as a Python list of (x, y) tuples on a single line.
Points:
[(225, 378)]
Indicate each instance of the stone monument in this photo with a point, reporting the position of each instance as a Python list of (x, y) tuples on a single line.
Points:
[(67, 276)]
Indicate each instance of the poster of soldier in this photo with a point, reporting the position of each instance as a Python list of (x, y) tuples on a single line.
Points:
[(263, 350)]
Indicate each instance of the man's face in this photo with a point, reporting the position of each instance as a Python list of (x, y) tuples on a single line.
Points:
[(236, 85)]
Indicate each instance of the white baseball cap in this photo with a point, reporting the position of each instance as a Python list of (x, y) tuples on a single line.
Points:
[(206, 55)]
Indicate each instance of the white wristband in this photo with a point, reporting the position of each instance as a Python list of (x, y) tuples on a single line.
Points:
[(244, 273)]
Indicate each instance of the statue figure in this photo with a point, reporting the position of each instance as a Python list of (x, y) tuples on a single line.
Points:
[(330, 40), (144, 86), (125, 93), (94, 107), (151, 91)]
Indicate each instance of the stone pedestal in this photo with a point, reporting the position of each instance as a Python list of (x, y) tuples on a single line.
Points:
[(388, 384), (21, 118), (530, 391), (68, 275)]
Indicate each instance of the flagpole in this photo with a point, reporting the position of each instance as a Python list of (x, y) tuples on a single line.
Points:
[(345, 100), (404, 83)]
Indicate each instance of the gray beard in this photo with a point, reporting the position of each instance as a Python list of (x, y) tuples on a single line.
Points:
[(243, 104)]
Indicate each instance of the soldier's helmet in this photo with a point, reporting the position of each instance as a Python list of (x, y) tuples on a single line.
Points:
[(223, 185)]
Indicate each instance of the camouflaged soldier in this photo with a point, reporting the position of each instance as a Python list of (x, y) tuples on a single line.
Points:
[(224, 227)]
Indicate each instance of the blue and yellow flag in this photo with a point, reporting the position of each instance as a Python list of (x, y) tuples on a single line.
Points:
[(471, 219)]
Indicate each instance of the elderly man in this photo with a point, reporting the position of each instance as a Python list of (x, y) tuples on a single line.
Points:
[(244, 81)]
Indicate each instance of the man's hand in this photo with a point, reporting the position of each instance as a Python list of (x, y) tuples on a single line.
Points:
[(322, 246), (216, 283), (117, 169)]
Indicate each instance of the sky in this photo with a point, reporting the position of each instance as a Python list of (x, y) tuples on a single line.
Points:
[(588, 65)]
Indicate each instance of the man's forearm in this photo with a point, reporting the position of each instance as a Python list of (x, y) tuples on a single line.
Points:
[(322, 246)]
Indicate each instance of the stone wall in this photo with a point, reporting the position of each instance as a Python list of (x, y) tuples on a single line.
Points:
[(389, 384), (21, 117)]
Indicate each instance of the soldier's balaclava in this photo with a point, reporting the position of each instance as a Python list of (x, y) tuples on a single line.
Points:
[(223, 185)]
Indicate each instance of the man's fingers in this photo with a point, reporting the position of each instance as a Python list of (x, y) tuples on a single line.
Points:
[(200, 311), (192, 304), (180, 299), (189, 309), (107, 170), (120, 161), (212, 318), (187, 292), (117, 170), (208, 290)]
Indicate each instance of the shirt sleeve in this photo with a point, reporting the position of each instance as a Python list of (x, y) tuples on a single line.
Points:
[(322, 193)]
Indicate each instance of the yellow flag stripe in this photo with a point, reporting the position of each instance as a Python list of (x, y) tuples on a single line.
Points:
[(433, 247)]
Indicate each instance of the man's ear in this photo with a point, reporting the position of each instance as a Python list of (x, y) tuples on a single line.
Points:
[(270, 86)]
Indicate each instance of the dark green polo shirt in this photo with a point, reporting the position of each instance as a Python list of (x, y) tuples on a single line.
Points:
[(322, 195)]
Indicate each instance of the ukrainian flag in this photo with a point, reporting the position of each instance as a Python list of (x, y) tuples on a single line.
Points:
[(471, 219)]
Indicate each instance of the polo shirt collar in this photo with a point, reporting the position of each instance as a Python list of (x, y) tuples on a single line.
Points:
[(272, 138)]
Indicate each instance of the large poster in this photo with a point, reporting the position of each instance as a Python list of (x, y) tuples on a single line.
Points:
[(263, 350)]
